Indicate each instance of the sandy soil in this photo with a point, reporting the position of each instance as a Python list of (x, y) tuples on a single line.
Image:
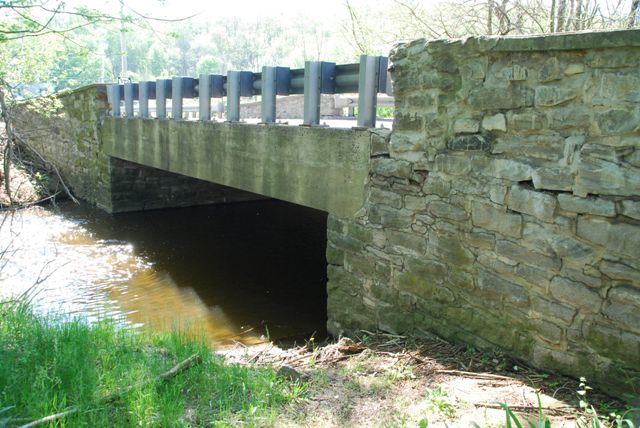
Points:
[(383, 380)]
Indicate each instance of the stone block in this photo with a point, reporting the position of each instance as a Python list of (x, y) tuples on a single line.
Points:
[(334, 255), (559, 241), (612, 89), (497, 219), (513, 251), (630, 209), (559, 178), (595, 206), (614, 58), (618, 121), (408, 122), (415, 203), (612, 342), (601, 177), (496, 122), (440, 209), (562, 361), (570, 117), (538, 277), (450, 249), (547, 308), (620, 271), (538, 204), (390, 217), (547, 331), (407, 146), (512, 97), (385, 197), (527, 121), (379, 144), (546, 147), (461, 163), (623, 307), (391, 167), (621, 238), (579, 276), (575, 294), (421, 277), (482, 240), (466, 126), (548, 96), (498, 288), (573, 69), (509, 169), (407, 243), (468, 143)]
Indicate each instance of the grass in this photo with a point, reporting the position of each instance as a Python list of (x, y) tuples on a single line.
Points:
[(50, 363)]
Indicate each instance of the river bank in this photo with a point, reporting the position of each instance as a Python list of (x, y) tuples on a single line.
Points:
[(385, 380), (100, 375)]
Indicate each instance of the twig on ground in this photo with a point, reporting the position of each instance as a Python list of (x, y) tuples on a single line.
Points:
[(475, 375)]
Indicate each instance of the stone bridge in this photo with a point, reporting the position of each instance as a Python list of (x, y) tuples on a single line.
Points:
[(503, 211)]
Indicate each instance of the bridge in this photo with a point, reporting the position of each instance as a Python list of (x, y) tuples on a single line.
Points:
[(309, 165), (502, 211)]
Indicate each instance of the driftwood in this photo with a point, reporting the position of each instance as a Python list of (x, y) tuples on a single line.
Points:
[(184, 365)]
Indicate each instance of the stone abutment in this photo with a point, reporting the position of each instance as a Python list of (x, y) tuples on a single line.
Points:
[(504, 209)]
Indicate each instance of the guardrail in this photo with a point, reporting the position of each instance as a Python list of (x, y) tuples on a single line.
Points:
[(367, 78)]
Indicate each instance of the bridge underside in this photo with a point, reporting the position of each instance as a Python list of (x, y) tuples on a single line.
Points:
[(320, 168)]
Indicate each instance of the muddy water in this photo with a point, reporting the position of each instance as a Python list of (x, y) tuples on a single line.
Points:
[(241, 272)]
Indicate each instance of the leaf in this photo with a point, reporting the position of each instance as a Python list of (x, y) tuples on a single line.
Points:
[(424, 423)]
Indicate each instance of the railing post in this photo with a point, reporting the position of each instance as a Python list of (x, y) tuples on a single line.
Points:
[(204, 96), (163, 90), (176, 98), (128, 99), (233, 96), (113, 96), (269, 82), (312, 77), (368, 90), (143, 99)]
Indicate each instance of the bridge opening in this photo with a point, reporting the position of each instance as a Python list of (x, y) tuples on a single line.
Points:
[(244, 271)]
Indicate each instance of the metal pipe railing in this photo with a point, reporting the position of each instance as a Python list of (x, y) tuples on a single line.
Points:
[(367, 78)]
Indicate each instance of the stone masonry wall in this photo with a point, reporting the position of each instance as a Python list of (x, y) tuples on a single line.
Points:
[(504, 209), (65, 131)]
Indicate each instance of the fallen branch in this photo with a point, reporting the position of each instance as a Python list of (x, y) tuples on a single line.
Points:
[(476, 375), (192, 360), (523, 409)]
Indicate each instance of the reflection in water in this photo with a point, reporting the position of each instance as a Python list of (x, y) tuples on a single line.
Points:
[(231, 272)]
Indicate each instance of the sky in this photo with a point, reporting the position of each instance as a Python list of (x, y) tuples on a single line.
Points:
[(215, 8)]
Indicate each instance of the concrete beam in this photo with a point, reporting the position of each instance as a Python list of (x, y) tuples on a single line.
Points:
[(320, 168)]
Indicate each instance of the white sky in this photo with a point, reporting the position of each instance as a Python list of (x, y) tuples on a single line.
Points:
[(234, 8)]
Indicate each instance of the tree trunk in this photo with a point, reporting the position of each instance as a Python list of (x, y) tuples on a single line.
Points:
[(633, 15), (562, 11), (552, 17), (577, 22), (490, 17), (8, 130)]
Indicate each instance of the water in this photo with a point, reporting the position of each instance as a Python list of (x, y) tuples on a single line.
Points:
[(240, 272)]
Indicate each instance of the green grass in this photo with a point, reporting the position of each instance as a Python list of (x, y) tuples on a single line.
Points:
[(49, 363)]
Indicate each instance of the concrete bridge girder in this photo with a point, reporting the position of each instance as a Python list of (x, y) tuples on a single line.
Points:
[(320, 168)]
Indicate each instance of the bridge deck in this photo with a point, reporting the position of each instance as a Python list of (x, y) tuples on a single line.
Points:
[(321, 168)]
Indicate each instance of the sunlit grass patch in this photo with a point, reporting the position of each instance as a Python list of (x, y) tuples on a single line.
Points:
[(50, 364)]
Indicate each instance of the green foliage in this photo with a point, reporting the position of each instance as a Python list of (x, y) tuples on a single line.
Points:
[(589, 417), (50, 363), (439, 402)]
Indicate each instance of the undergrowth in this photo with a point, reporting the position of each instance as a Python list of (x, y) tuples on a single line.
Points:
[(48, 364)]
